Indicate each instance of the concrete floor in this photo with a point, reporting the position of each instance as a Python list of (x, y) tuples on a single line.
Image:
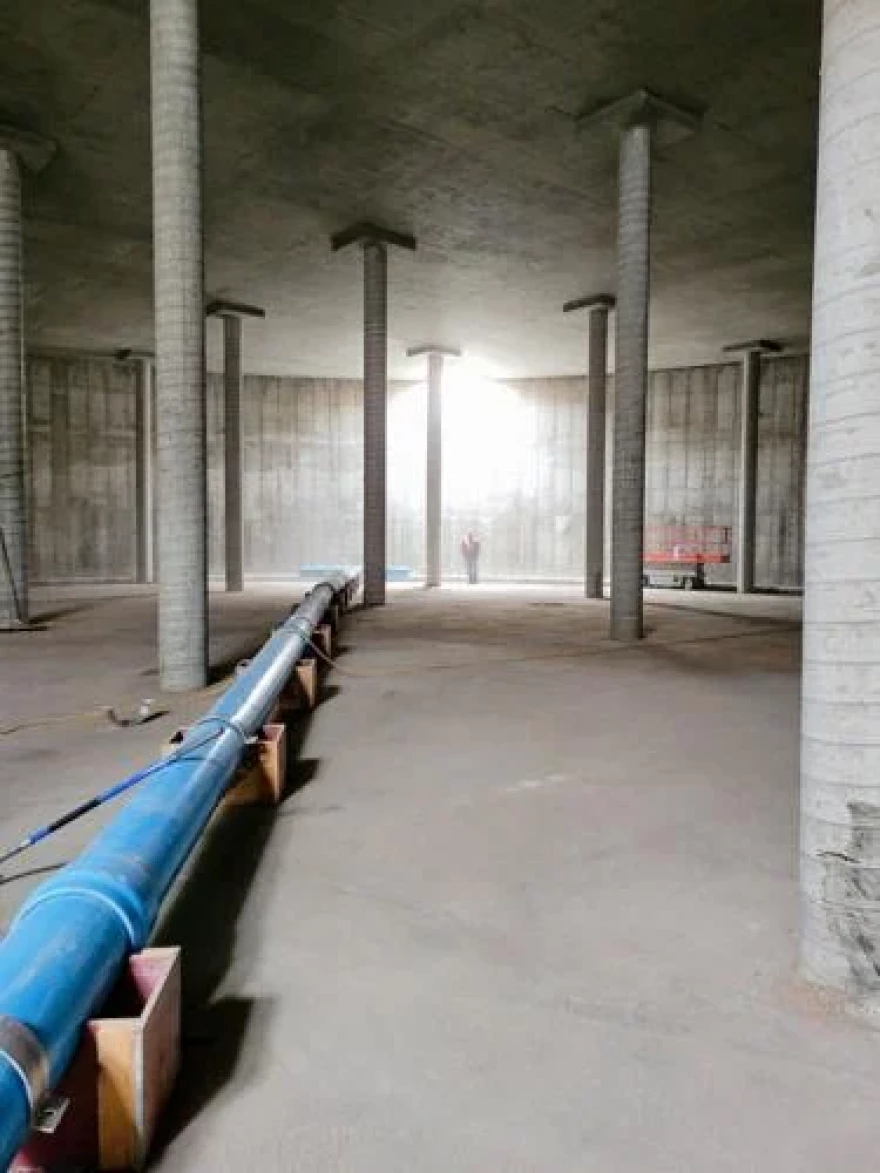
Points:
[(531, 906)]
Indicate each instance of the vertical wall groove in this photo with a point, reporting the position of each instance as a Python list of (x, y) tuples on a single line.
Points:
[(180, 342), (840, 734), (631, 381), (13, 499), (375, 419)]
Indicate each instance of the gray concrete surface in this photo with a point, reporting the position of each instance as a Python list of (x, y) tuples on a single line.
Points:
[(501, 924), (514, 469), (631, 379), (179, 308), (840, 787), (450, 118)]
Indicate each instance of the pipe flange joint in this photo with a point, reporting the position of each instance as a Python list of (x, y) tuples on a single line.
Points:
[(24, 1052)]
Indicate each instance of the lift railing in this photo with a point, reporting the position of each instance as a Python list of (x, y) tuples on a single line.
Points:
[(67, 945)]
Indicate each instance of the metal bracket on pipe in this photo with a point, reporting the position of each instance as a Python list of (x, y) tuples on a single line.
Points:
[(50, 1113), (24, 1052)]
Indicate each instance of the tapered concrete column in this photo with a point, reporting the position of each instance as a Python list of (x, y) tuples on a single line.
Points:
[(840, 737), (143, 470), (16, 150), (375, 420), (374, 241), (233, 454), (631, 383), (594, 537), (180, 343), (748, 469), (433, 471), (750, 409), (13, 487), (434, 458), (638, 118), (231, 312)]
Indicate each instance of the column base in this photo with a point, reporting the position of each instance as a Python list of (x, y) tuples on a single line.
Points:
[(628, 630)]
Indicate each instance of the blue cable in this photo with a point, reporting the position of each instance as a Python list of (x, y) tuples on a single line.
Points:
[(105, 796)]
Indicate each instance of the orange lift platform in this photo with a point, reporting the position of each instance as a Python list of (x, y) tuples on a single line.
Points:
[(677, 555)]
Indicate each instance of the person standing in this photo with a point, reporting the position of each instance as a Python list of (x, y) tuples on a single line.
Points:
[(470, 550)]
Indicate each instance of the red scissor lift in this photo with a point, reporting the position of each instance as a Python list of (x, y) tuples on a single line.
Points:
[(677, 555)]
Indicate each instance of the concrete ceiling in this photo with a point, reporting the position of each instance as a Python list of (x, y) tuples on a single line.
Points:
[(452, 120)]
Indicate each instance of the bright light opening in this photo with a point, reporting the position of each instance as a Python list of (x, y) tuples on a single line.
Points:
[(486, 427)]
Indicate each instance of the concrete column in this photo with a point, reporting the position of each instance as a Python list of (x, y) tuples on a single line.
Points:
[(143, 470), (180, 343), (18, 149), (374, 241), (840, 731), (232, 448), (748, 470), (638, 118), (594, 537), (375, 420), (231, 313), (631, 382), (594, 544), (13, 486), (749, 415), (434, 462), (434, 470)]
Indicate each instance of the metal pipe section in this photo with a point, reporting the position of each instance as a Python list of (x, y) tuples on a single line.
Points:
[(232, 441), (13, 488), (594, 547), (433, 485), (375, 419), (748, 470), (180, 343), (64, 950), (840, 719), (631, 383)]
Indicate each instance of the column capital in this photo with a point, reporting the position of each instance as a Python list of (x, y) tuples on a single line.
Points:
[(753, 345), (34, 151), (218, 308), (643, 108), (134, 354), (366, 233), (443, 351), (601, 301)]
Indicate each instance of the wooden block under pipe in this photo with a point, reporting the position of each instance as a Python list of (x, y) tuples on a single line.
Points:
[(260, 779), (121, 1075)]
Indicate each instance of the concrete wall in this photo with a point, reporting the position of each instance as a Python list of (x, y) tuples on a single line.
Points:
[(303, 473), (513, 470), (693, 439), (81, 415)]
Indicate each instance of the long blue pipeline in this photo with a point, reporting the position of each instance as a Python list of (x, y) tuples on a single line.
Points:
[(66, 947)]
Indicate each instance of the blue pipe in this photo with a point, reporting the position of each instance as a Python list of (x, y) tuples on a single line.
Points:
[(66, 947)]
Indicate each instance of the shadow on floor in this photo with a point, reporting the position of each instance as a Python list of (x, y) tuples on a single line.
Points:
[(202, 920)]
